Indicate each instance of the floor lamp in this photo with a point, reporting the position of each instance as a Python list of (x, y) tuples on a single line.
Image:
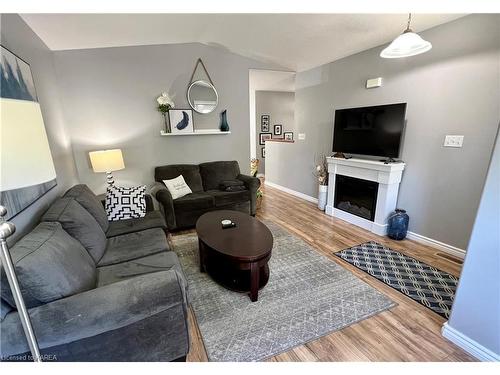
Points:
[(6, 229)]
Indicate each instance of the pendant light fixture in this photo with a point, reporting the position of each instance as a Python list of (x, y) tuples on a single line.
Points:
[(407, 44)]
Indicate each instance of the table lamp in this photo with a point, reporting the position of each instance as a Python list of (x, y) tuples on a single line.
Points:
[(107, 161)]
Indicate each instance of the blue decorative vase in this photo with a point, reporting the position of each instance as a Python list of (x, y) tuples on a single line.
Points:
[(224, 126), (398, 224)]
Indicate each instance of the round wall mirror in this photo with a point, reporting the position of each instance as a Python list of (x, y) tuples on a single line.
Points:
[(202, 96)]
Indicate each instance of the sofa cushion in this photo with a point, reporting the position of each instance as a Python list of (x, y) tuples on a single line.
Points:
[(214, 172), (177, 187), (224, 198), (191, 174), (90, 202), (195, 201), (79, 223), (153, 219), (163, 261), (134, 245), (50, 265)]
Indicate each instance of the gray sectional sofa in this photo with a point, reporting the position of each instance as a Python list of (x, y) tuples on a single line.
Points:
[(204, 180), (97, 290)]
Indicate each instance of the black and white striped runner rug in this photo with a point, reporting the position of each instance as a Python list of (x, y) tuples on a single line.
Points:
[(427, 285)]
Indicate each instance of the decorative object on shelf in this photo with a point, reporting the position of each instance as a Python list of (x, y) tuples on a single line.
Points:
[(264, 123), (278, 129), (397, 224), (6, 230), (263, 152), (405, 45), (263, 137), (288, 136), (107, 161), (23, 140), (201, 94), (224, 126), (321, 173), (165, 104), (181, 120)]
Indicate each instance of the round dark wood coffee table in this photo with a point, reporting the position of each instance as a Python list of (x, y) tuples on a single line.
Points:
[(237, 257)]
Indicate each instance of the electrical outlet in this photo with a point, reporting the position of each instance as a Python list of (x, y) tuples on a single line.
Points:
[(453, 141), (302, 136)]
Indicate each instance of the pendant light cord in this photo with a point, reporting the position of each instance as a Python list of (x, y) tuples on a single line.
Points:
[(408, 30)]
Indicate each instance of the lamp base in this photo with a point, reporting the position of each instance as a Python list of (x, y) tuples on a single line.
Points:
[(109, 178)]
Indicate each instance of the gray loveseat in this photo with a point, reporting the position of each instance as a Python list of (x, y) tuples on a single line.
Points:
[(97, 290), (204, 180)]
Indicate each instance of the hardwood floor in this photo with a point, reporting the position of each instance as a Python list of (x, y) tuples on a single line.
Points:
[(407, 332)]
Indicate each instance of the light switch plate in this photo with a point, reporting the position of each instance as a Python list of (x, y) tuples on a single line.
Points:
[(302, 136), (453, 141)]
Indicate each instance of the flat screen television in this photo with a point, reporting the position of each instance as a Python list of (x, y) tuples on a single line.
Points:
[(374, 131)]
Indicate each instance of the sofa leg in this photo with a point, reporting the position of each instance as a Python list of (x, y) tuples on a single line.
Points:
[(180, 359)]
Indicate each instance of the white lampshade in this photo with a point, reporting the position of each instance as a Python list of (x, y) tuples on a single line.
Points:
[(106, 160), (407, 44)]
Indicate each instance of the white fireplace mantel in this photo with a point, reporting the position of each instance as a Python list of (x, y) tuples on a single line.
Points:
[(388, 177)]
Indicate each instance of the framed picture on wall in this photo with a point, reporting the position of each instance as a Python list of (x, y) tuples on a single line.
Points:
[(288, 136), (278, 129), (263, 137), (264, 120), (264, 128), (263, 152), (181, 120)]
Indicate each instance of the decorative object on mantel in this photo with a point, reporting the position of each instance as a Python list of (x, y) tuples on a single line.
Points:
[(165, 103), (321, 173), (181, 120), (397, 224), (201, 94), (406, 45), (224, 126), (288, 136)]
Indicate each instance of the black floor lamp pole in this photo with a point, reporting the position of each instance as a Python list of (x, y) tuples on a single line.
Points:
[(6, 229)]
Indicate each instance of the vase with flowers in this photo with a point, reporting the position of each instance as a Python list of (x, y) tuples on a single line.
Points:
[(321, 173), (165, 104)]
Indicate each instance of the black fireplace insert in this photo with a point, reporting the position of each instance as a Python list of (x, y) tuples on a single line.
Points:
[(356, 196)]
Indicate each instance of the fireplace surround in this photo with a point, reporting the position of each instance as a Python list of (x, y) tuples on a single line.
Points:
[(363, 192)]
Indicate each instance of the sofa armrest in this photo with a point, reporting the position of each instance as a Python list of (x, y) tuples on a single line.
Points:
[(149, 201), (93, 325), (252, 184), (164, 197)]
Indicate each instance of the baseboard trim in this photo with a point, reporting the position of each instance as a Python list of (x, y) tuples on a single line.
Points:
[(470, 346), (298, 194), (452, 250)]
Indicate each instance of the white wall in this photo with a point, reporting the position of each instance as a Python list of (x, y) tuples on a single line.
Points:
[(475, 317)]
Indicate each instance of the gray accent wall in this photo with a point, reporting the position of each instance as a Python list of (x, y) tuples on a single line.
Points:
[(21, 40), (280, 105), (453, 89), (109, 99), (476, 309)]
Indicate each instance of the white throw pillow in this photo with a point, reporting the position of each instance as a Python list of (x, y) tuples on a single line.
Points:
[(125, 203), (177, 187)]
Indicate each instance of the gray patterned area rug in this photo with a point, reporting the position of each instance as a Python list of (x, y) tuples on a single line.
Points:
[(307, 296), (427, 285)]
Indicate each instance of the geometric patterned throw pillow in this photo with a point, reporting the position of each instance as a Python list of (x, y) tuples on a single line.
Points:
[(125, 203)]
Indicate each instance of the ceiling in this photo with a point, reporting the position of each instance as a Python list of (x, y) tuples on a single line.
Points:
[(293, 41)]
